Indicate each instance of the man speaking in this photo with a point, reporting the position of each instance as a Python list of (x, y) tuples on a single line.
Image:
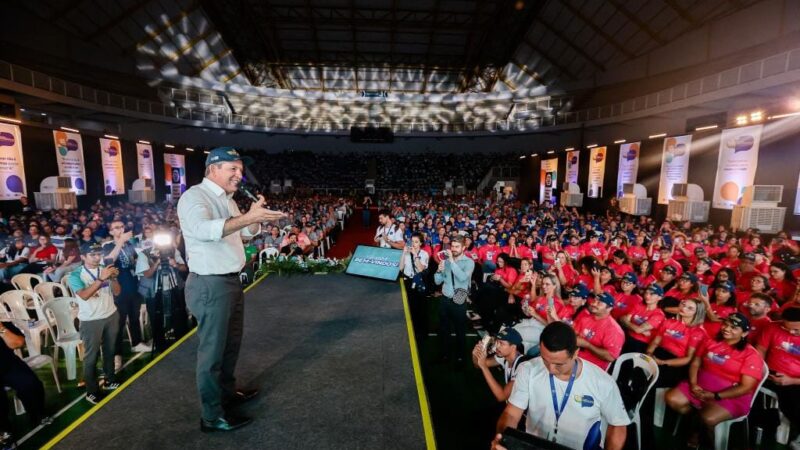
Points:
[(213, 229)]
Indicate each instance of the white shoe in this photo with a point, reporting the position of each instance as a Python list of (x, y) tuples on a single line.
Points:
[(795, 444), (117, 363), (142, 348)]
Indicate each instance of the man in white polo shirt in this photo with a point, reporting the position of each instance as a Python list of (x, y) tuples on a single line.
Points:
[(569, 401), (94, 288)]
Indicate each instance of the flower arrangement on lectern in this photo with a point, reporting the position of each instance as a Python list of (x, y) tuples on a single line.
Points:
[(296, 265)]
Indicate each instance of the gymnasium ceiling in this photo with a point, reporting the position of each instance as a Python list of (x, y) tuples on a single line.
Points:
[(408, 46)]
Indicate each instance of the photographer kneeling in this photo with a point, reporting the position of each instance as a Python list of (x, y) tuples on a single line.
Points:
[(508, 353), (161, 284)]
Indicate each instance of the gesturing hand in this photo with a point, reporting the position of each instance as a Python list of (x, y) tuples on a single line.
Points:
[(258, 213)]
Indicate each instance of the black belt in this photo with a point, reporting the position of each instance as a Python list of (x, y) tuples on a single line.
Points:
[(232, 274)]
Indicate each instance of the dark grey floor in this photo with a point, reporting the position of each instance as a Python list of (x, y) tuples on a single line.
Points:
[(330, 354)]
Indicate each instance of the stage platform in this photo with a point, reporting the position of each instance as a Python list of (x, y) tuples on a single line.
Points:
[(331, 356)]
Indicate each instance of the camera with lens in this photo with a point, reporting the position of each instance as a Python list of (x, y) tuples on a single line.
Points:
[(162, 249)]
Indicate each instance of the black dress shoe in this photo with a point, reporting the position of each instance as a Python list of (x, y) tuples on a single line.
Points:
[(240, 396), (228, 423)]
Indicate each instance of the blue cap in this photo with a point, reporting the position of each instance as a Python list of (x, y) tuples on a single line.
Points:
[(738, 319), (226, 154), (606, 298), (689, 276), (509, 335), (630, 277), (727, 285), (656, 289), (579, 291)]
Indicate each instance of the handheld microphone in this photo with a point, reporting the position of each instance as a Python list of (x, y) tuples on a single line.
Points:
[(244, 190)]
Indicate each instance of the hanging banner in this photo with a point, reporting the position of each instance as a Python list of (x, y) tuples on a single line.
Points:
[(144, 160), (69, 156), (597, 170), (674, 165), (547, 180), (628, 165), (175, 173), (736, 168), (12, 170), (113, 176), (572, 166)]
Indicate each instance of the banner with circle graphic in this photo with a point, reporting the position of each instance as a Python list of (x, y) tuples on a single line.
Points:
[(573, 161), (175, 173), (144, 160), (628, 165), (12, 170), (113, 176), (736, 169), (69, 155), (597, 170), (547, 180), (674, 165)]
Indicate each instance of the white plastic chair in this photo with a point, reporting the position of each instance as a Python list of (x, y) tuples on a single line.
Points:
[(660, 408), (723, 429), (25, 281), (267, 253), (65, 283), (49, 290), (36, 361), (17, 304), (782, 433), (650, 367), (67, 336)]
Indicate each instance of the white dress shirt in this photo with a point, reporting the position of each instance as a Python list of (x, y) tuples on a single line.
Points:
[(203, 210)]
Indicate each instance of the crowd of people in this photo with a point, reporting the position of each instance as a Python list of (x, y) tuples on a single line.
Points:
[(111, 259), (399, 171), (708, 305), (563, 293)]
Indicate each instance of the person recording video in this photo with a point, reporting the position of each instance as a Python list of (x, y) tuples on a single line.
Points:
[(160, 269)]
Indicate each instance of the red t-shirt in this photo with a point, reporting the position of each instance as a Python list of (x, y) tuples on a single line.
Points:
[(757, 326), (526, 285), (573, 251), (637, 253), (507, 273), (677, 337), (597, 250), (743, 279), (677, 293), (730, 364), (624, 303), (546, 254), (645, 281), (723, 311), (570, 274), (730, 263), (489, 253), (784, 289), (586, 280), (641, 315), (621, 269), (783, 350), (604, 333), (472, 254), (539, 306), (658, 265), (45, 253)]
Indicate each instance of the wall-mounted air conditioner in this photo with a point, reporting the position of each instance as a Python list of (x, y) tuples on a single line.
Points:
[(759, 209), (634, 200), (142, 191), (571, 195), (687, 204), (55, 193)]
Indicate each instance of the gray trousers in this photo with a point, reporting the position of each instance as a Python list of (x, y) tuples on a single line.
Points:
[(217, 302), (96, 334)]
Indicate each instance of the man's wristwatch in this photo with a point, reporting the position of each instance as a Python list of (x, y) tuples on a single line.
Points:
[(3, 330), (717, 397)]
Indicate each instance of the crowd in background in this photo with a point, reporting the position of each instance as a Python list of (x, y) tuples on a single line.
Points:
[(401, 171)]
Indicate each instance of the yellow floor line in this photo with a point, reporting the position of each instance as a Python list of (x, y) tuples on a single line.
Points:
[(427, 423), (127, 383)]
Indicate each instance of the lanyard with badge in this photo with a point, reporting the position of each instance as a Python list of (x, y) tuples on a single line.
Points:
[(97, 277), (560, 410)]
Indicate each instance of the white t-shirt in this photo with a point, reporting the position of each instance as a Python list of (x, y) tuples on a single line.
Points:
[(594, 403), (392, 231), (510, 370), (100, 305), (408, 270)]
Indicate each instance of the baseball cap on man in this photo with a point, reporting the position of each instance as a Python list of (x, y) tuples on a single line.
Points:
[(226, 154), (656, 289), (606, 298), (630, 277), (738, 319), (91, 248), (509, 335)]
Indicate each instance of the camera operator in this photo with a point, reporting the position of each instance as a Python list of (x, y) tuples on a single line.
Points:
[(161, 284)]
